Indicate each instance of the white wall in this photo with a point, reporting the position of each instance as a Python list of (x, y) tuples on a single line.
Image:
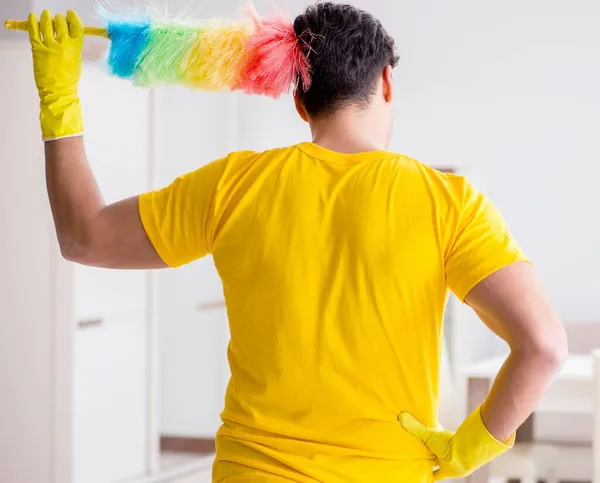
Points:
[(512, 87)]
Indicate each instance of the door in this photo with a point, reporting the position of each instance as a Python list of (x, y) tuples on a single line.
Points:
[(113, 435), (110, 407)]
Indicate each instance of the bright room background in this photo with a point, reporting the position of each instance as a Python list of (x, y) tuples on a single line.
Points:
[(96, 367)]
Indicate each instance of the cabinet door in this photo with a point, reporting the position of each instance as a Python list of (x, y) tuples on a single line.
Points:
[(110, 400), (193, 358), (117, 124)]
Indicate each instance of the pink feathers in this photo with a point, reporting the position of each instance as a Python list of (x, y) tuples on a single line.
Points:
[(273, 59)]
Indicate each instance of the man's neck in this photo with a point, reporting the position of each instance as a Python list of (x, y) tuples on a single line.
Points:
[(349, 132)]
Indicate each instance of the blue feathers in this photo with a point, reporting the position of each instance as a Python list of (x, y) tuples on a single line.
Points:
[(128, 41)]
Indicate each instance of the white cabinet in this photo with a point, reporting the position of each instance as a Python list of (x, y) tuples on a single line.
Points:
[(117, 120), (76, 344), (193, 357), (110, 400), (106, 292), (111, 309), (26, 294), (191, 321)]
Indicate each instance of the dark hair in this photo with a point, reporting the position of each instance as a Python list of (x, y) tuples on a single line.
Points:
[(347, 49)]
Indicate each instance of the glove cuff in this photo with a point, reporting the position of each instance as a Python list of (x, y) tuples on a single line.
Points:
[(476, 444), (506, 445), (61, 118)]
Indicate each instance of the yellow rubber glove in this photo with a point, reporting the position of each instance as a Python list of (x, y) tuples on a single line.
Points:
[(459, 454), (57, 48)]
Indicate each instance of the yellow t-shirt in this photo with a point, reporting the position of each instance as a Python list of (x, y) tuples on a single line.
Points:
[(336, 270)]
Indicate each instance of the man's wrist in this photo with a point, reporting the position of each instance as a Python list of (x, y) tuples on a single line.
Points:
[(68, 136)]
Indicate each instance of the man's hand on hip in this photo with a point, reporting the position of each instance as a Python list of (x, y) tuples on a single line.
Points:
[(458, 454), (57, 48)]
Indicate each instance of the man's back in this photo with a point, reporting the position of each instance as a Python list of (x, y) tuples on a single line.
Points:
[(335, 271)]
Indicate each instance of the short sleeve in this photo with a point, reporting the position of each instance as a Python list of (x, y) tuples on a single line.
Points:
[(178, 218), (480, 243)]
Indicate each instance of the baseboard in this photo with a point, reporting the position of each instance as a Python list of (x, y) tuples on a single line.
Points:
[(179, 444)]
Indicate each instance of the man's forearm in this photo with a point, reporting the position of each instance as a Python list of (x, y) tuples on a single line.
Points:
[(517, 390), (514, 305), (88, 231), (73, 193)]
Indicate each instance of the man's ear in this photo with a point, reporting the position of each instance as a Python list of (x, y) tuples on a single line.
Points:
[(300, 107), (388, 84)]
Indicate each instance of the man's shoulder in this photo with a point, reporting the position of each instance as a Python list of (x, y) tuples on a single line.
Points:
[(439, 175), (249, 155)]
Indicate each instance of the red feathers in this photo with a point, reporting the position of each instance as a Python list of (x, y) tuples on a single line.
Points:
[(273, 59)]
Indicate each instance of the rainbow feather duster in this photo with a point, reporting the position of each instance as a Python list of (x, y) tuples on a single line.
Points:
[(253, 54)]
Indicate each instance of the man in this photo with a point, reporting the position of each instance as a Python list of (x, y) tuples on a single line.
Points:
[(336, 258)]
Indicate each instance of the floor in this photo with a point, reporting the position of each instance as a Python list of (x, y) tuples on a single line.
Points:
[(168, 461), (200, 477), (187, 468), (181, 468)]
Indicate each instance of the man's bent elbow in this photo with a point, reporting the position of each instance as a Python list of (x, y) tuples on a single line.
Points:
[(76, 249), (551, 352), (74, 252)]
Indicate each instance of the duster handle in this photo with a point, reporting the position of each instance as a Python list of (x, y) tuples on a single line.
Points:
[(22, 25)]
